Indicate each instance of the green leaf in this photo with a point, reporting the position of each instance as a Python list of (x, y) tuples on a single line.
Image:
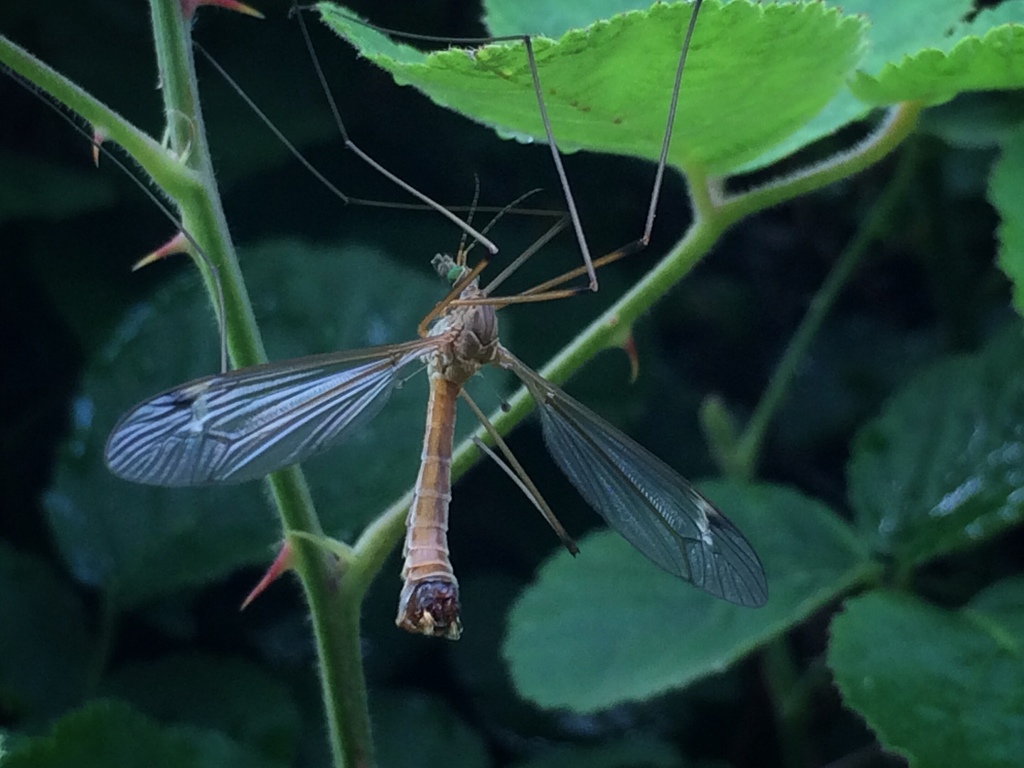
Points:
[(539, 17), (609, 626), (1006, 193), (139, 542), (924, 52), (413, 730), (939, 687), (44, 640), (110, 733), (228, 695), (755, 73), (940, 468), (626, 753)]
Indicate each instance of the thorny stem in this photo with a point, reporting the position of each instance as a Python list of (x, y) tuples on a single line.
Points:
[(745, 457), (334, 612), (185, 175)]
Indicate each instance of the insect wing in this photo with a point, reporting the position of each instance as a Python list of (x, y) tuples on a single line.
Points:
[(647, 502), (247, 423)]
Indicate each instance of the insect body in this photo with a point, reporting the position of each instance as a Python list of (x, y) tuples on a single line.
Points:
[(247, 423)]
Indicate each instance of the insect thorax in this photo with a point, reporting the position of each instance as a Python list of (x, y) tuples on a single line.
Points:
[(472, 328)]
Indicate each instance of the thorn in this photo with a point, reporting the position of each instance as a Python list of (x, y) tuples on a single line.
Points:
[(188, 7), (628, 345), (98, 137), (282, 563), (177, 244)]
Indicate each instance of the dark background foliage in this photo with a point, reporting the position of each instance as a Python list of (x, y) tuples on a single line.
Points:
[(68, 234)]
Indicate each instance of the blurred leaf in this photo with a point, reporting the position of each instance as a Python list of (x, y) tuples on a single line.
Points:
[(898, 31), (413, 730), (627, 753), (609, 626), (854, 363), (140, 542), (984, 120), (755, 73), (109, 733), (942, 467), (31, 187), (939, 687), (1006, 193), (924, 52), (228, 695), (44, 640)]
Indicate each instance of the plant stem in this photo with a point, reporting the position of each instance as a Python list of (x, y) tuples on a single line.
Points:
[(748, 449), (105, 633), (334, 610)]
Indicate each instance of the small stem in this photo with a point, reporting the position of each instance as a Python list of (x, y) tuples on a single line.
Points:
[(169, 174), (780, 673), (105, 633), (748, 449), (899, 124)]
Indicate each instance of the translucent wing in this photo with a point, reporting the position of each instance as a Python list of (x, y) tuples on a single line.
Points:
[(247, 423), (641, 497)]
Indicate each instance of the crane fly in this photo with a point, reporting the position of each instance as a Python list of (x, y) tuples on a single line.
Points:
[(244, 424)]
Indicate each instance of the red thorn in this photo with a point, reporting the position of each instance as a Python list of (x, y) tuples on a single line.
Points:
[(98, 137), (628, 346), (188, 7), (282, 563), (177, 244)]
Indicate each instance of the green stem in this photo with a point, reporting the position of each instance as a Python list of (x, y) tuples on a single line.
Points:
[(899, 124), (105, 634), (747, 453), (164, 169), (333, 608), (780, 672)]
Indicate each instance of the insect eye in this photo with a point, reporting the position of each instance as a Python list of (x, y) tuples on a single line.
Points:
[(454, 274)]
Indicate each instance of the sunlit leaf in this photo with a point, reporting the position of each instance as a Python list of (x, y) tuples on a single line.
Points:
[(924, 51), (755, 74)]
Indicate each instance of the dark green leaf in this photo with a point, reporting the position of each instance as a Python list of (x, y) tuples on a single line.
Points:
[(939, 687), (44, 642), (107, 734), (140, 541), (628, 753), (940, 469), (412, 730), (608, 626), (755, 73), (222, 694)]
